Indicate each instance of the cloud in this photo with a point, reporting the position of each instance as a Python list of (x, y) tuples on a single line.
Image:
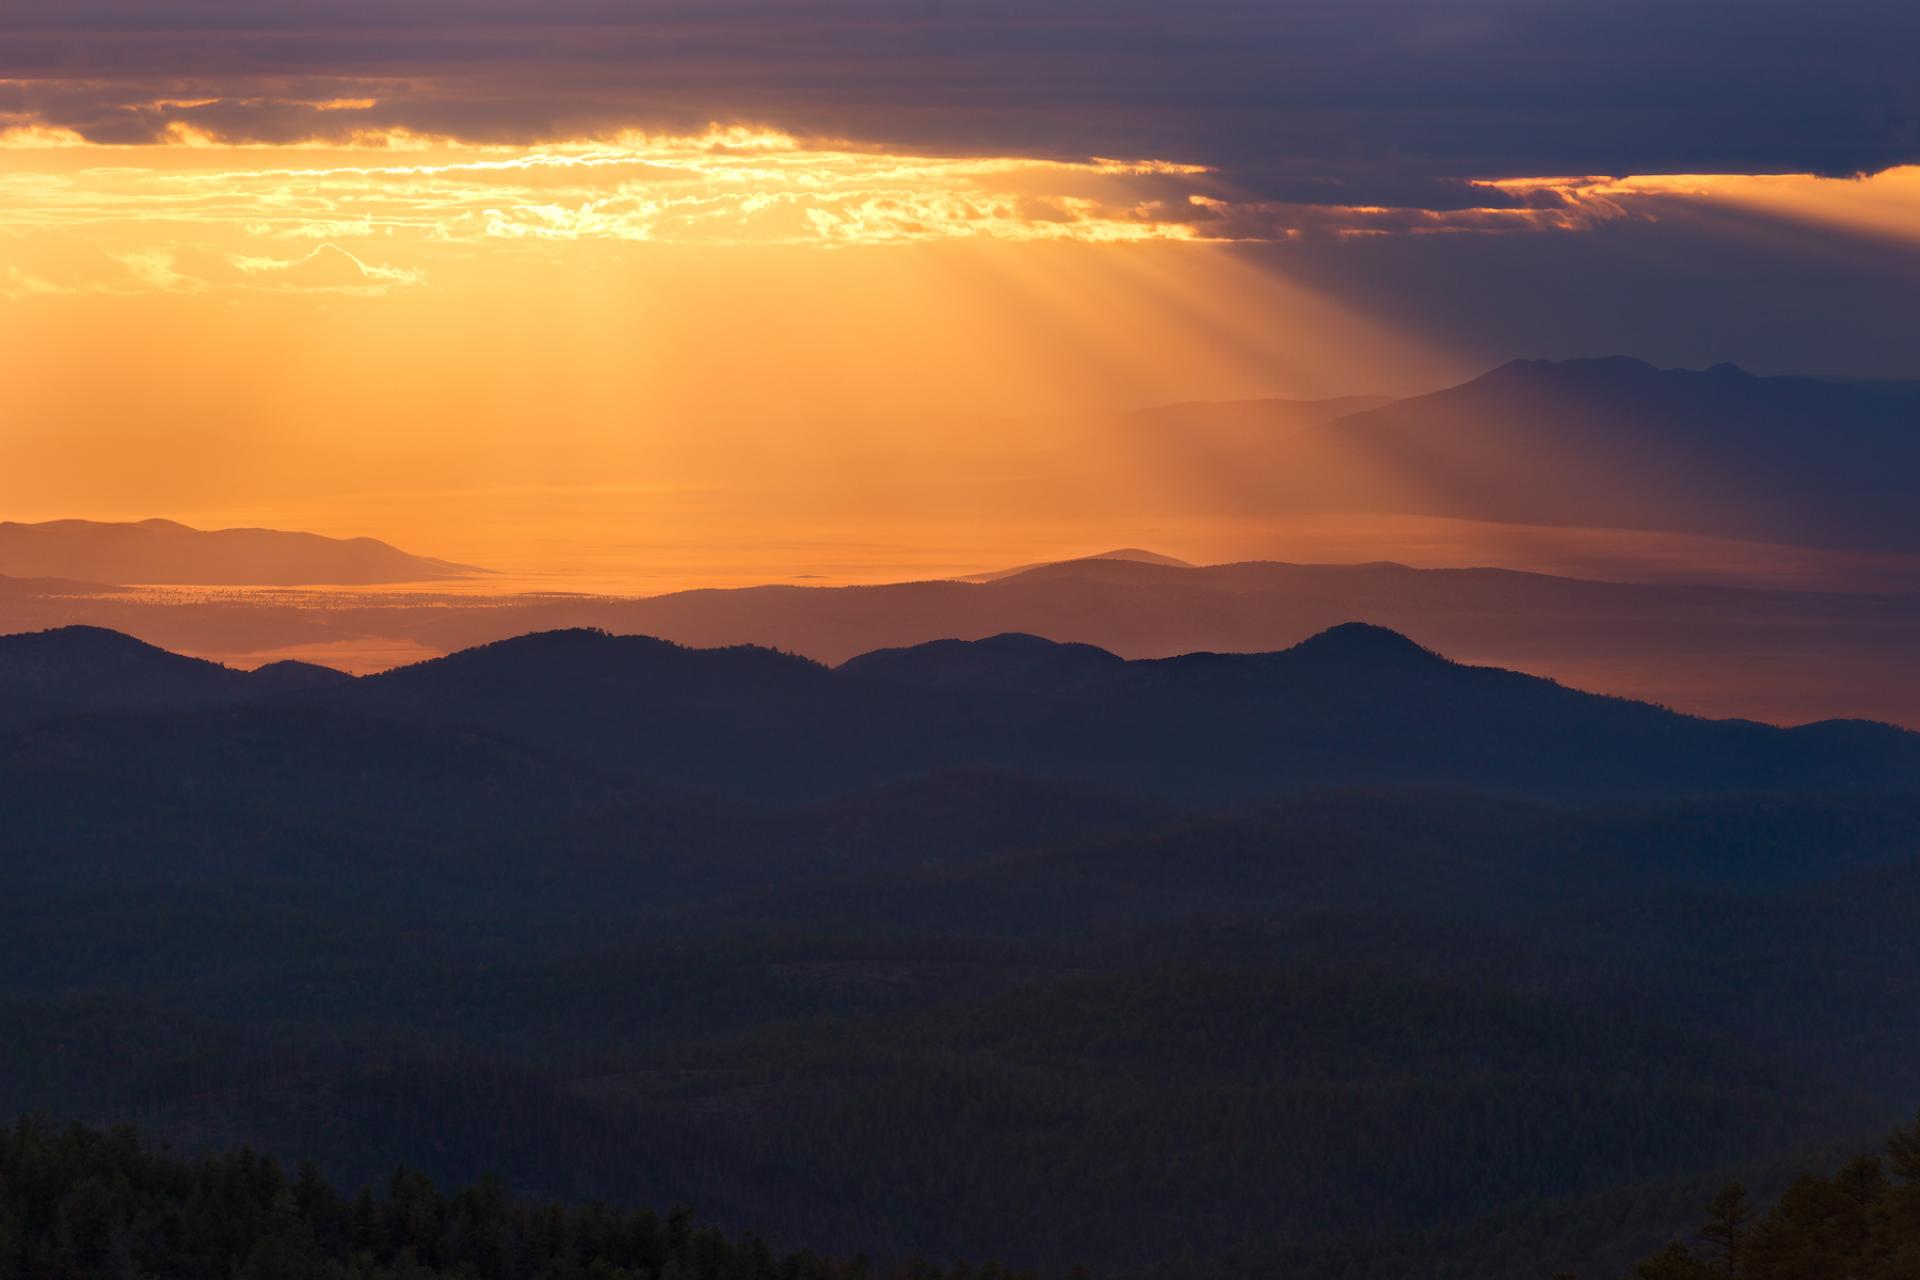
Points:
[(1364, 103), (325, 269), (369, 218), (156, 269), (20, 284), (725, 186)]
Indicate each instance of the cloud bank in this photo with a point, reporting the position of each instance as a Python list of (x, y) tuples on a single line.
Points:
[(1392, 103)]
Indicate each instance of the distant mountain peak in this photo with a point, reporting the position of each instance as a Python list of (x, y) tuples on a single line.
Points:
[(578, 657), (292, 676), (1123, 555), (1140, 554), (80, 637), (1027, 642), (1583, 369), (1012, 659), (1533, 370), (1365, 642), (166, 551)]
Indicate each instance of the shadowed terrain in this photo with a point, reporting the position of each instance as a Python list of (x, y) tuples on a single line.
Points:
[(1603, 443), (1345, 959), (1785, 656)]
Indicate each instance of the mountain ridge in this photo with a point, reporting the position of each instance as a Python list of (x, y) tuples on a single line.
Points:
[(1614, 442), (1353, 705), (166, 551)]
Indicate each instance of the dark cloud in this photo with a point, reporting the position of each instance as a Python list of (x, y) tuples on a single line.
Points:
[(1342, 101)]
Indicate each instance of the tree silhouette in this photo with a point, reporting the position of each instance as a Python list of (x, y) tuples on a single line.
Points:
[(1728, 1215)]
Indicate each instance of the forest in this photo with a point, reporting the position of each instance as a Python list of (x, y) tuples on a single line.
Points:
[(88, 1204), (1861, 1222), (81, 1204), (1508, 1016)]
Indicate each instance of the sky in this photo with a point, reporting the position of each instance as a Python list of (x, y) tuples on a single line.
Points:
[(510, 279)]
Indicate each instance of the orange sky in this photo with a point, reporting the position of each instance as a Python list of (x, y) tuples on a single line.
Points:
[(701, 352)]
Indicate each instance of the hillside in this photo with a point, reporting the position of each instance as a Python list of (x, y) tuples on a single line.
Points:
[(1617, 443), (163, 551), (1353, 705), (967, 949)]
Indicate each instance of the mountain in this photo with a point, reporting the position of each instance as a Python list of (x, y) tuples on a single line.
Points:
[(1609, 443), (1783, 656), (1786, 656), (1131, 555), (288, 676), (1356, 704), (91, 669), (998, 948), (1006, 663), (162, 551), (1617, 443)]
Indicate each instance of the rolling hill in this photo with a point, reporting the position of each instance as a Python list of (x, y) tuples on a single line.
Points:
[(998, 946), (163, 551), (1354, 705)]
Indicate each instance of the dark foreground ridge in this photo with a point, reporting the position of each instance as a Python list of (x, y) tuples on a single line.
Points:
[(1353, 705), (1861, 1222), (1345, 962), (78, 1204)]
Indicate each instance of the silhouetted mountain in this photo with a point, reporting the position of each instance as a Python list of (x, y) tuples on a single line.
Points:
[(90, 668), (994, 982), (1131, 555), (1004, 663), (166, 552), (86, 669), (1617, 443), (1362, 645), (1779, 656), (1773, 655), (1137, 555), (288, 676), (1354, 705)]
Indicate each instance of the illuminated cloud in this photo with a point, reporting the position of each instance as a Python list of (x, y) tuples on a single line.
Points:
[(416, 198), (1361, 103), (325, 269), (195, 214), (158, 269), (446, 123), (19, 284)]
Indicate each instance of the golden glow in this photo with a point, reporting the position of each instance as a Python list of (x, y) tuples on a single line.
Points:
[(660, 360), (1885, 204), (727, 186)]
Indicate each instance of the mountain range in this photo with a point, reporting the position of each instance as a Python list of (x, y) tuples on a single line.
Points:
[(164, 551), (1610, 443), (1780, 656), (1211, 964), (1357, 704), (1670, 474)]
